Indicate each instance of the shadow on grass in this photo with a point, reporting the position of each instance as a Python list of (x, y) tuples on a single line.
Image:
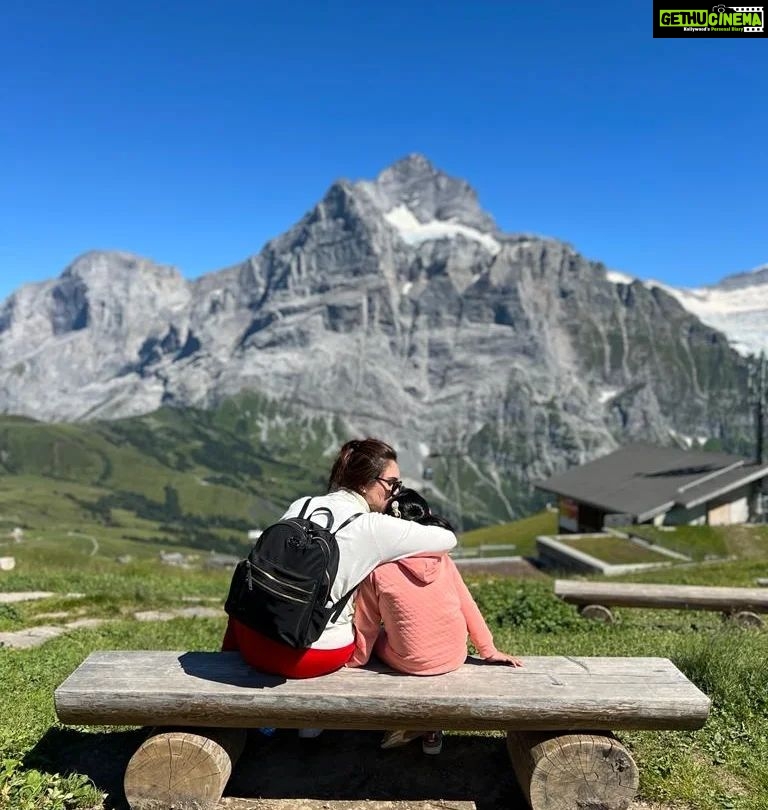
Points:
[(337, 765), (349, 765), (100, 755)]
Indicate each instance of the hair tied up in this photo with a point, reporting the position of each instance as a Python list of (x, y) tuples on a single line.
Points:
[(359, 462)]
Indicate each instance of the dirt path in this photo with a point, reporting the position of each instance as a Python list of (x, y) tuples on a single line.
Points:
[(36, 635), (94, 542)]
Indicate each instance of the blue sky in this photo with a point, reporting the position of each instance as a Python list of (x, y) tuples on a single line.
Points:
[(191, 133)]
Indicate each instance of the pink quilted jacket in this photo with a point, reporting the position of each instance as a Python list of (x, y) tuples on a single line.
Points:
[(426, 610)]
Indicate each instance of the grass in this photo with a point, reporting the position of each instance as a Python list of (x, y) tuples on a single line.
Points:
[(724, 765), (203, 475), (745, 541), (614, 550), (521, 533), (696, 542)]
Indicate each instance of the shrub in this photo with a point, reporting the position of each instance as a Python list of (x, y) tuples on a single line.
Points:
[(30, 789), (529, 605)]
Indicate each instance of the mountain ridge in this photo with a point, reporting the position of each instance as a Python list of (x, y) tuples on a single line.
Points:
[(397, 306)]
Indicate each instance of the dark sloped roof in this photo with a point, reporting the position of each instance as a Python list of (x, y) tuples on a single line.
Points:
[(643, 480)]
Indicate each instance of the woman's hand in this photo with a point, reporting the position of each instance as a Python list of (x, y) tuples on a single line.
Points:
[(503, 658)]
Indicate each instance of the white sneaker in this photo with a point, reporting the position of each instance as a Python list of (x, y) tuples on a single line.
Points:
[(310, 733), (398, 737)]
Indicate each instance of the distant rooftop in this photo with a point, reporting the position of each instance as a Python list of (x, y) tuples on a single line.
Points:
[(643, 480)]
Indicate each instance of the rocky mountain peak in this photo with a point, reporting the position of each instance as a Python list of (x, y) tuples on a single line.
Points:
[(427, 193), (752, 278), (395, 307), (115, 266)]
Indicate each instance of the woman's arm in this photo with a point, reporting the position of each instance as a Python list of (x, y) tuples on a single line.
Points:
[(397, 538)]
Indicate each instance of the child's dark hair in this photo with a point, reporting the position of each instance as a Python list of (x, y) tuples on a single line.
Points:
[(410, 505), (359, 462)]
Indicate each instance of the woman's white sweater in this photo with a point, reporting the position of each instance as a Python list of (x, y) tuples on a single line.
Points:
[(369, 540)]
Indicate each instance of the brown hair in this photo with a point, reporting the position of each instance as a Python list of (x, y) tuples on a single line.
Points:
[(359, 462)]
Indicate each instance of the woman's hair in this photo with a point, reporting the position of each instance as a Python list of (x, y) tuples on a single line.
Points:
[(359, 462), (410, 505)]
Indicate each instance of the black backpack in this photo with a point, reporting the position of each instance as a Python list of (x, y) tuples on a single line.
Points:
[(282, 589)]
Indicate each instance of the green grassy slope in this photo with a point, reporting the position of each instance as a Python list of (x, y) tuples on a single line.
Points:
[(520, 533), (187, 477)]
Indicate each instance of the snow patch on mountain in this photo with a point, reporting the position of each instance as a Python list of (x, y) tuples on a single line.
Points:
[(606, 395), (739, 310), (413, 232), (619, 278)]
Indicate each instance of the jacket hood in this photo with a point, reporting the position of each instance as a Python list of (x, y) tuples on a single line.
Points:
[(425, 569)]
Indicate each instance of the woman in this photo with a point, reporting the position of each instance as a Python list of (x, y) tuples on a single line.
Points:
[(415, 615), (364, 477)]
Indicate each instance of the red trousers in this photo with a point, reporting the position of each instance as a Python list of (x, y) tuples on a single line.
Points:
[(270, 656)]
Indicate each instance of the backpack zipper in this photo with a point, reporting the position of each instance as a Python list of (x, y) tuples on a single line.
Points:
[(327, 551), (279, 581), (282, 595)]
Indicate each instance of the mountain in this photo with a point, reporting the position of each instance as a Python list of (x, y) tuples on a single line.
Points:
[(394, 307), (737, 306)]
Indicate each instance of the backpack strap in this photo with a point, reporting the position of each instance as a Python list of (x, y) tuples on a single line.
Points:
[(347, 522), (341, 604), (325, 512)]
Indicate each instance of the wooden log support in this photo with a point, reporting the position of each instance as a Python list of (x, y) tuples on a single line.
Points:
[(567, 771), (599, 613), (693, 597), (182, 769), (745, 618)]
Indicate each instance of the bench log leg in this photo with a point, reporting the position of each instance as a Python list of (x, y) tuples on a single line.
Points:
[(598, 613), (183, 770), (567, 771), (745, 618)]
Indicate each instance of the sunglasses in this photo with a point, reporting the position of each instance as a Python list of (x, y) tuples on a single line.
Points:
[(394, 484)]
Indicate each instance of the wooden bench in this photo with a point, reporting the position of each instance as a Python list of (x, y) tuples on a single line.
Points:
[(558, 713), (594, 598)]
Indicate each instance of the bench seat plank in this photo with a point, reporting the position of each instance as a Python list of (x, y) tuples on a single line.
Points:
[(219, 689), (631, 594)]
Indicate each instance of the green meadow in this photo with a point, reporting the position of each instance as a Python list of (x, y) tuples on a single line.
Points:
[(87, 510), (723, 765)]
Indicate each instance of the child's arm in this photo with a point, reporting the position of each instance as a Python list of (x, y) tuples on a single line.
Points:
[(478, 630), (367, 623)]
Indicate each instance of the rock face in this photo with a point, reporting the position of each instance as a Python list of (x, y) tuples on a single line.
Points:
[(737, 305), (395, 307)]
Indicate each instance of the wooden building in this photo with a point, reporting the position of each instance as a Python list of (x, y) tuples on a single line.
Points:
[(643, 483)]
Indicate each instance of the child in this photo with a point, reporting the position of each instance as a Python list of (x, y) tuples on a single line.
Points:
[(426, 611)]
